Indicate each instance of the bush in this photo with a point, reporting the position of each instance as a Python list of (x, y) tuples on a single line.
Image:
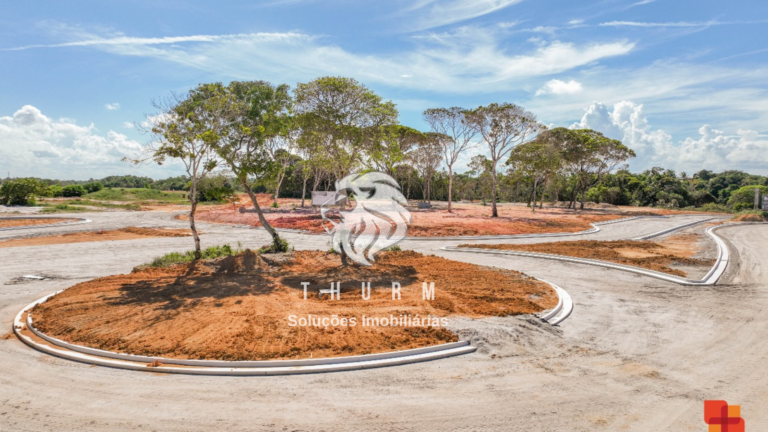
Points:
[(278, 245), (93, 187), (56, 191), (73, 191), (714, 208), (744, 198), (21, 191), (186, 257)]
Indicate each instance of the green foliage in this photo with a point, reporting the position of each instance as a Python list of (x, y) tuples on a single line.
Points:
[(395, 248), (278, 245), (217, 188), (63, 208), (744, 197), (56, 191), (73, 191), (212, 252), (21, 191), (137, 194), (92, 187)]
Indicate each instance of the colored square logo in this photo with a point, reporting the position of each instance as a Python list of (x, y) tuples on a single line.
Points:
[(722, 417)]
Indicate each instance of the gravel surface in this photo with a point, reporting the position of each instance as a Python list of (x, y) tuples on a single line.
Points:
[(638, 354)]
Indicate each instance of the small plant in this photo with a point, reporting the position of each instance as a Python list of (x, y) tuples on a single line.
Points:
[(278, 245), (395, 248), (274, 205), (186, 257)]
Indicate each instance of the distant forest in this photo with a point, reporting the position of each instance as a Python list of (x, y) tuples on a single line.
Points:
[(657, 187)]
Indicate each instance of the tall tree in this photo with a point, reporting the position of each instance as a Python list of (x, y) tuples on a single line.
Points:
[(389, 146), (502, 127), (186, 129), (451, 122), (539, 159), (339, 114), (426, 159), (588, 156), (256, 111)]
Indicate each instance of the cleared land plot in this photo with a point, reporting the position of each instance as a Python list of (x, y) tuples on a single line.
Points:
[(238, 308), (664, 256), (130, 233), (465, 220)]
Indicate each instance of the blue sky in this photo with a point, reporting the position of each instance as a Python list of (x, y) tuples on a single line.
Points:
[(682, 83)]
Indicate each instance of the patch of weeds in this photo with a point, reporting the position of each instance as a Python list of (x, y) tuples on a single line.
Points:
[(278, 245), (395, 248), (189, 256), (60, 208)]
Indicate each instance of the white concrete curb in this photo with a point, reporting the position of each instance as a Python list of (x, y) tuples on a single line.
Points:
[(77, 222), (711, 278), (242, 368), (595, 228), (669, 230), (563, 309)]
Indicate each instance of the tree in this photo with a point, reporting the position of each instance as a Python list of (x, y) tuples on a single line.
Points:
[(481, 167), (539, 159), (339, 115), (281, 148), (453, 123), (184, 129), (254, 112), (502, 127), (589, 155), (389, 145), (21, 191), (73, 191), (426, 159)]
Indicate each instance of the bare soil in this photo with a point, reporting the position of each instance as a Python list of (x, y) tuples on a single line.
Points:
[(8, 223), (657, 256), (238, 308), (465, 220), (129, 233)]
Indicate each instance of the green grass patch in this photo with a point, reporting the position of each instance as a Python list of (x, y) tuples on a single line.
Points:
[(130, 206), (139, 194), (187, 257), (64, 208)]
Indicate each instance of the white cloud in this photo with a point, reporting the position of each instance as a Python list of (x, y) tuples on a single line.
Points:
[(434, 13), (466, 60), (712, 149), (558, 87), (128, 125), (32, 144), (675, 24), (112, 106)]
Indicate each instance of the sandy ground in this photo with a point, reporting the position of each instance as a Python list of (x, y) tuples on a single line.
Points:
[(238, 308), (9, 223), (638, 354), (130, 233), (658, 256)]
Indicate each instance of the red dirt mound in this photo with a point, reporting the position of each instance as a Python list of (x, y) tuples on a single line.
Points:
[(240, 308)]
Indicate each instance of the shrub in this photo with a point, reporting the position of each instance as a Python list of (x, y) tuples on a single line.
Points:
[(180, 258), (744, 198), (278, 245), (73, 191), (56, 191), (93, 187), (714, 208), (21, 191)]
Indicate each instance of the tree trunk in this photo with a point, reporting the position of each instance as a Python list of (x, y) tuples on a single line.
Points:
[(304, 191), (193, 202), (543, 191), (494, 211), (450, 187), (262, 219), (533, 195), (280, 179)]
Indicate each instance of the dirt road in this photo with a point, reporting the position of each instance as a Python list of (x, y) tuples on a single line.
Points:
[(636, 355)]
